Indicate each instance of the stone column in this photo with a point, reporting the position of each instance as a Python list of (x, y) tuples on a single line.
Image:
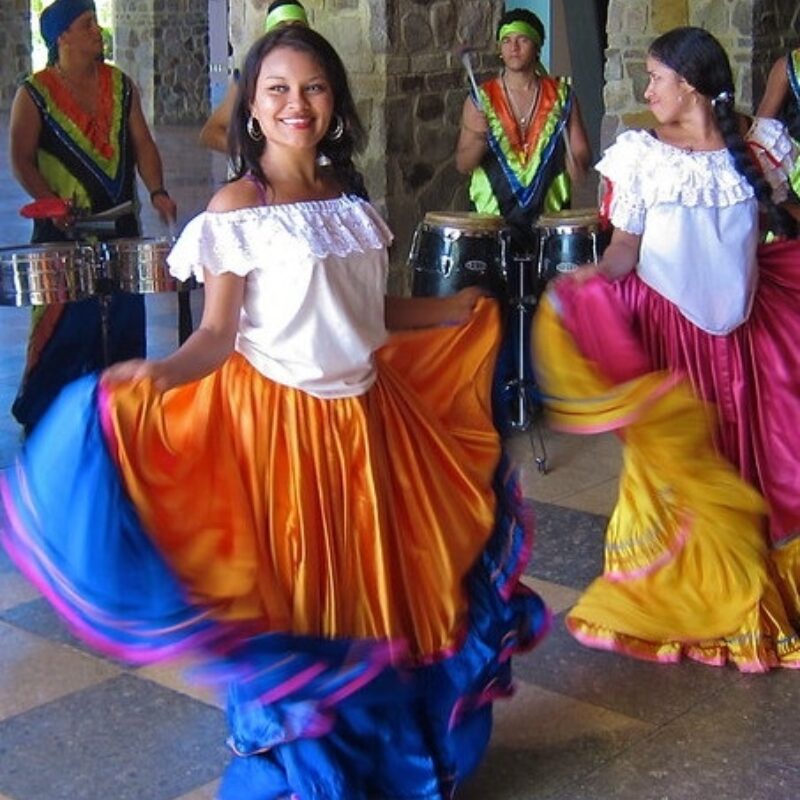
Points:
[(426, 85), (134, 47), (15, 45), (163, 46)]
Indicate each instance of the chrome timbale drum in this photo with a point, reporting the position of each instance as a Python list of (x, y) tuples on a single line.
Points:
[(452, 250), (137, 265), (38, 274), (568, 239)]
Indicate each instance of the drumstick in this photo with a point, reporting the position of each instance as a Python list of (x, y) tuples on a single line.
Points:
[(465, 54)]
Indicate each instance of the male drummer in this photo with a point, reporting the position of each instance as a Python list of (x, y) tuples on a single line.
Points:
[(523, 142), (522, 139), (77, 132)]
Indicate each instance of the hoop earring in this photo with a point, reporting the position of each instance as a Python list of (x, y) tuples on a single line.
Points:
[(336, 133), (254, 129)]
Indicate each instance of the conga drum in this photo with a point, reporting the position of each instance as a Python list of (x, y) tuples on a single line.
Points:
[(452, 250), (568, 239)]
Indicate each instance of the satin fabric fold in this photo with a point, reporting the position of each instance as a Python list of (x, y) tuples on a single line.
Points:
[(687, 570), (325, 517), (751, 376), (349, 568)]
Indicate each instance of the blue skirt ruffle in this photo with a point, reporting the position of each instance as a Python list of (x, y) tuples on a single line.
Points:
[(309, 717)]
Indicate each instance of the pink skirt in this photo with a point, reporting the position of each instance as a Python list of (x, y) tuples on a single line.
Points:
[(752, 376)]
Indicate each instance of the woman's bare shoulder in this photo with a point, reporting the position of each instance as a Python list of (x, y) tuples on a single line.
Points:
[(238, 194)]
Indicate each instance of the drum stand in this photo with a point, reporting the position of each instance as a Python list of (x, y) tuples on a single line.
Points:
[(103, 293), (526, 416)]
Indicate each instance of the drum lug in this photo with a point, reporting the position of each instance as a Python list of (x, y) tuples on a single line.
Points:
[(446, 264)]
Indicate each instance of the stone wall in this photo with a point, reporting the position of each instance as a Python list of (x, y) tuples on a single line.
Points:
[(15, 26), (163, 46), (180, 66), (409, 84), (357, 31), (776, 29), (406, 75), (425, 91)]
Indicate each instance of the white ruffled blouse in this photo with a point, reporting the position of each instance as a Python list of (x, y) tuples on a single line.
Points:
[(698, 218), (315, 277)]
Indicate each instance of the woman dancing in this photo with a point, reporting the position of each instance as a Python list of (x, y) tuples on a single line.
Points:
[(319, 509), (684, 340)]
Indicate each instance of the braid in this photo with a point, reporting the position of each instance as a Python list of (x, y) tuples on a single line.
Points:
[(781, 222), (702, 61)]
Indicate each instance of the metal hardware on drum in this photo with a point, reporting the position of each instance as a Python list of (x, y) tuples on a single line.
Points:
[(38, 274), (137, 265), (61, 272)]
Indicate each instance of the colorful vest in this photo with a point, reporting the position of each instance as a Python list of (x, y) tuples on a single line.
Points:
[(87, 159), (518, 179), (793, 118)]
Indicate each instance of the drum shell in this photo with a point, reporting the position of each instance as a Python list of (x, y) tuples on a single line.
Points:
[(565, 244), (57, 272), (138, 265), (445, 258)]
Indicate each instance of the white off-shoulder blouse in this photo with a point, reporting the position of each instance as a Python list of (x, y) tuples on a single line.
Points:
[(698, 218), (315, 277)]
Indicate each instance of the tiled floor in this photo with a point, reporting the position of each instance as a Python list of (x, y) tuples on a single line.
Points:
[(584, 725)]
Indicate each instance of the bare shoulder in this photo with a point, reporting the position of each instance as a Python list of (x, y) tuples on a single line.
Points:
[(241, 193)]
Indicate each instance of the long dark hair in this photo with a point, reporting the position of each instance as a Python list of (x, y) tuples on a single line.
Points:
[(245, 152), (703, 63)]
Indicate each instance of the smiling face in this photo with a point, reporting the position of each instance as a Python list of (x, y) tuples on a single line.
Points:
[(293, 99), (667, 93)]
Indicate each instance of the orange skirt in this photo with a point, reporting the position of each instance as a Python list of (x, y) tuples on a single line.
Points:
[(356, 517)]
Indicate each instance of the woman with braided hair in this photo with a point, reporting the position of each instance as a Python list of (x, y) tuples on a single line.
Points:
[(683, 340)]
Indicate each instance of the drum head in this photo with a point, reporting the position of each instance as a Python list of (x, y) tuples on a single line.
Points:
[(468, 221), (569, 218)]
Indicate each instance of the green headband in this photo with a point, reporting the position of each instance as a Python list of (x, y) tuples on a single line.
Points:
[(285, 13), (518, 26)]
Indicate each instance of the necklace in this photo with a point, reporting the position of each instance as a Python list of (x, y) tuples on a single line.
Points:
[(84, 95), (523, 120)]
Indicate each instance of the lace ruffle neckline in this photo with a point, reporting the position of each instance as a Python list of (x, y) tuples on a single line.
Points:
[(338, 226), (662, 173)]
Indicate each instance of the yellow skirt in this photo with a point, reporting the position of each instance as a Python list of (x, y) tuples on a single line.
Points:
[(687, 569)]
